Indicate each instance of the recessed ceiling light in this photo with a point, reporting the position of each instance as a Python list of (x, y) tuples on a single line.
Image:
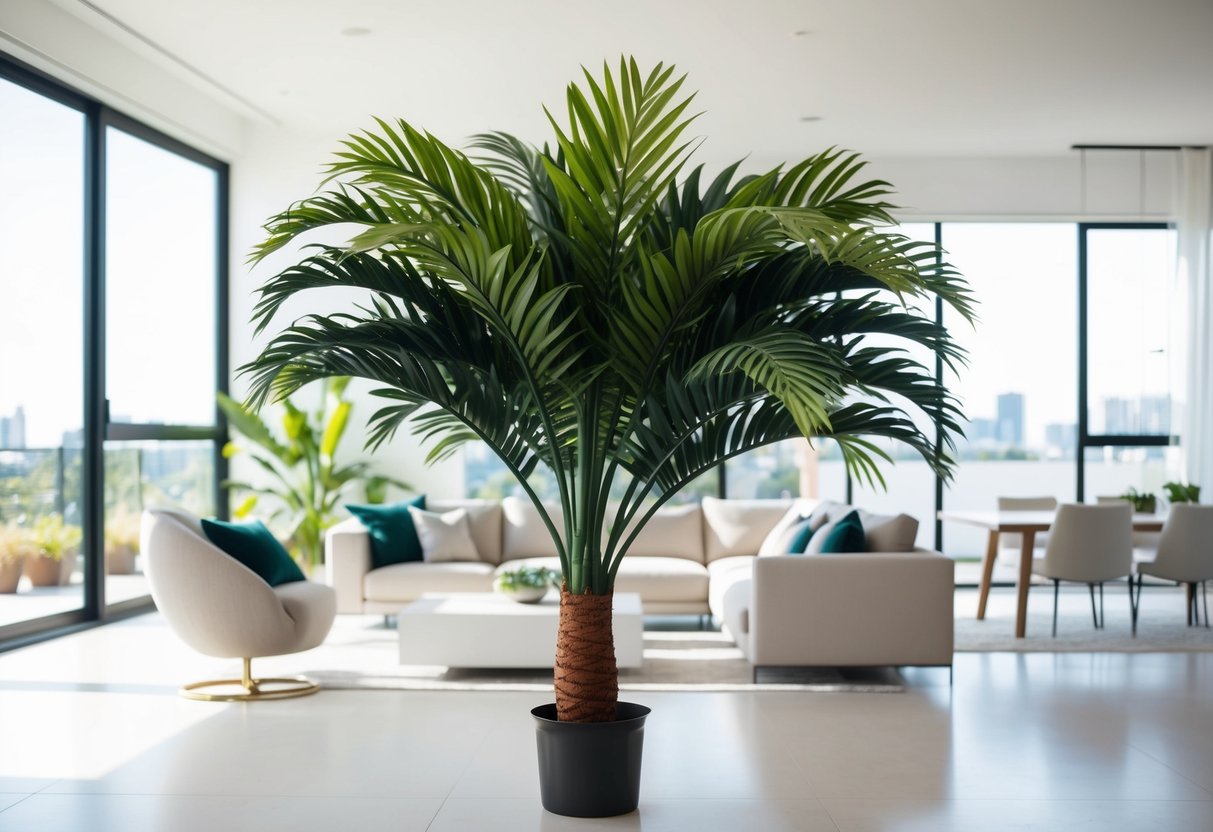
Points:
[(355, 31), (802, 33), (810, 118)]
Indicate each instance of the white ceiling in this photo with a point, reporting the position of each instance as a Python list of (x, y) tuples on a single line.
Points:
[(887, 77)]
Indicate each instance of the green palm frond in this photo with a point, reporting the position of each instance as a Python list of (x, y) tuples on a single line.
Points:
[(598, 308)]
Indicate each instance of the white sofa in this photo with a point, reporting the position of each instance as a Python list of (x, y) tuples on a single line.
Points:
[(891, 606)]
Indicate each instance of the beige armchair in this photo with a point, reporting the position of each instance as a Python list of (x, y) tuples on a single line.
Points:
[(1185, 555), (1090, 545), (222, 608)]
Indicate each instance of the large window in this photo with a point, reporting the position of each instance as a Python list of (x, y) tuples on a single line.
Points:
[(112, 279), (1066, 391)]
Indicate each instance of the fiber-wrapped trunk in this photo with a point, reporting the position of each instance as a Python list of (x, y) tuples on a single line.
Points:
[(587, 678)]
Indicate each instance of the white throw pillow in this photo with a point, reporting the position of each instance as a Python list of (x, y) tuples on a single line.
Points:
[(780, 537), (444, 537)]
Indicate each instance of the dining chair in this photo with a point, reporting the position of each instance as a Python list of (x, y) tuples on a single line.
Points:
[(1144, 543), (1089, 544), (1010, 544), (1185, 555)]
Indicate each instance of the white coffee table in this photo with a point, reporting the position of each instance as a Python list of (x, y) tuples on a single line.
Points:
[(484, 629)]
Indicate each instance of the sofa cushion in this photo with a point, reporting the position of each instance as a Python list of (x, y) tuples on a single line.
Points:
[(256, 547), (524, 533), (444, 537), (738, 527), (654, 579), (846, 535), (484, 516), (393, 538), (779, 539), (673, 532), (722, 574), (404, 582), (889, 533)]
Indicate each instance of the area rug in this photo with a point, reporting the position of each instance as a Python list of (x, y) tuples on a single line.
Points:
[(673, 661), (1161, 626)]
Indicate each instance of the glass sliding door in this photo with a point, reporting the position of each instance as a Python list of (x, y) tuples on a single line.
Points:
[(113, 244), (161, 364), (1125, 389), (42, 210), (1018, 390)]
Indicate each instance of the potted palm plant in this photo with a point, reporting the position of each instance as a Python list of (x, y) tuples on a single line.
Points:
[(596, 308)]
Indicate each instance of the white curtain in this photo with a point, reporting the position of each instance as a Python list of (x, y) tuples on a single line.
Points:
[(1195, 292)]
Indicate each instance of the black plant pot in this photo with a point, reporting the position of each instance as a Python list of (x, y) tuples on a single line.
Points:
[(590, 769)]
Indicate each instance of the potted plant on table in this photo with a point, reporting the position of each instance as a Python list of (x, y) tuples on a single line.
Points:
[(593, 308), (1179, 492)]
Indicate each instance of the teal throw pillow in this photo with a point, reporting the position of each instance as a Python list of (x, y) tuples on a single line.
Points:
[(846, 536), (256, 547), (801, 531), (393, 535)]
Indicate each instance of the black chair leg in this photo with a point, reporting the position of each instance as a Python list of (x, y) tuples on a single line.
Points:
[(1204, 592), (1056, 587), (1094, 616), (1102, 619), (1132, 607), (1190, 597)]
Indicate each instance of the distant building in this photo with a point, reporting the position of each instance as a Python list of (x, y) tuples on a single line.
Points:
[(12, 430), (1149, 415), (1062, 437), (1010, 419), (1155, 415), (981, 430)]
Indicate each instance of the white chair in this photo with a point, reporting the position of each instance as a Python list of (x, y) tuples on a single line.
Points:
[(1010, 544), (220, 607), (1090, 545), (1185, 555), (1144, 543)]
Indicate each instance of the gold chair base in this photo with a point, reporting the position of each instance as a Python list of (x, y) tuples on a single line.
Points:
[(253, 690)]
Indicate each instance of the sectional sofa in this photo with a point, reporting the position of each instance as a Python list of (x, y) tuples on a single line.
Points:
[(891, 605)]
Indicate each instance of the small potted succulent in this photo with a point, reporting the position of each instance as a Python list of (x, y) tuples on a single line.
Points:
[(527, 584), (55, 545), (1178, 492), (16, 544)]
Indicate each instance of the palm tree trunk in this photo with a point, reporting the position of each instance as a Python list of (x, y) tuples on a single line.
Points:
[(587, 678)]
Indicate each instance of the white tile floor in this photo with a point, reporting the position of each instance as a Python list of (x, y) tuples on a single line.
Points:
[(93, 737)]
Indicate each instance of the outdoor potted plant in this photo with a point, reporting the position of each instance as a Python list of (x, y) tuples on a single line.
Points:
[(55, 544), (593, 308), (16, 544), (121, 543), (305, 481)]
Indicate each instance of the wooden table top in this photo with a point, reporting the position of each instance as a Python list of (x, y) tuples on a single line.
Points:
[(1035, 521)]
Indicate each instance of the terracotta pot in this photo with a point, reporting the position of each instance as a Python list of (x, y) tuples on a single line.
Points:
[(47, 571), (10, 574), (120, 559)]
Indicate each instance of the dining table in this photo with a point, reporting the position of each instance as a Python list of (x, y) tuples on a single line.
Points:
[(1028, 524)]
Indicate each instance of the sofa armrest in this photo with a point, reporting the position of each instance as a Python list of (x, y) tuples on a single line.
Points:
[(853, 609), (347, 559)]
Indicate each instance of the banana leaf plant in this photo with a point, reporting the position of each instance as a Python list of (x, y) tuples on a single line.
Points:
[(598, 307), (302, 473)]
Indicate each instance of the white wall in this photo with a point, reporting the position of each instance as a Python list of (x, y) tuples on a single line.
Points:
[(70, 49), (280, 167)]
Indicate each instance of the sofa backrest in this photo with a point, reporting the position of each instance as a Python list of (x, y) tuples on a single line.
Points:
[(524, 534), (672, 532), (485, 519), (738, 527)]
